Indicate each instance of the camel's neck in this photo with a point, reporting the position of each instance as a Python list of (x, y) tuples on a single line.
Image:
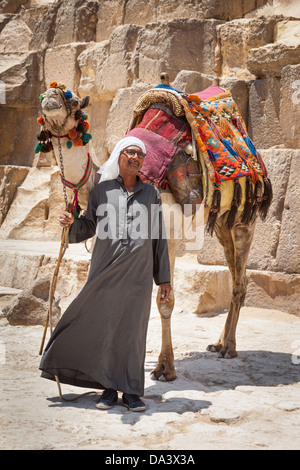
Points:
[(74, 160)]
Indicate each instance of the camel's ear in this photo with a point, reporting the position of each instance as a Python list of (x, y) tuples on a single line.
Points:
[(84, 102)]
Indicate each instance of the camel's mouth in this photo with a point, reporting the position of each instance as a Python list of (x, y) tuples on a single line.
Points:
[(52, 107)]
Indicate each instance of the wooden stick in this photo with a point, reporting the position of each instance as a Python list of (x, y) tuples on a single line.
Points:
[(63, 247)]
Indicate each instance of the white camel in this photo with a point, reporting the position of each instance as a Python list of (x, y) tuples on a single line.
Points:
[(64, 127)]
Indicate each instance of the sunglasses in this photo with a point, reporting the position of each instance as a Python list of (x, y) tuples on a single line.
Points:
[(132, 153)]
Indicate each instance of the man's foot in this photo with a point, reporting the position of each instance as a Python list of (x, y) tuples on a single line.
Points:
[(108, 399), (133, 402)]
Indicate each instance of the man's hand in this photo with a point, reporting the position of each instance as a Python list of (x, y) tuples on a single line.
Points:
[(165, 291), (66, 219)]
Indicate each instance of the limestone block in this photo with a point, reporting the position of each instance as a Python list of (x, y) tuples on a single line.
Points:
[(176, 45), (11, 6), (290, 105), (18, 135), (90, 62), (10, 178), (202, 289), (268, 289), (225, 10), (287, 257), (23, 262), (264, 113), (20, 74), (60, 65), (269, 60), (15, 37), (120, 113), (120, 68), (56, 205), (4, 19), (44, 29), (110, 15), (76, 21), (98, 115), (191, 81), (109, 65), (264, 246), (26, 216), (287, 32), (237, 38), (30, 307)]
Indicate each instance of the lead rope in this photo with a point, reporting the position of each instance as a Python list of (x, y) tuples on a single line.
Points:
[(63, 247)]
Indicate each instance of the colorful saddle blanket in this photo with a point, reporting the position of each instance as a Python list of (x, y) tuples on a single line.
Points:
[(221, 134)]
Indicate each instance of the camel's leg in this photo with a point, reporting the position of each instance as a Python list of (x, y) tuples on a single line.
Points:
[(236, 244), (165, 366), (173, 223)]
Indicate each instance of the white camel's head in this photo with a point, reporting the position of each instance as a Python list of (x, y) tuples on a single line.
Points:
[(59, 108)]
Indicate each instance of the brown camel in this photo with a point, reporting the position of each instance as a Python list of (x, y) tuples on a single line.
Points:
[(231, 224)]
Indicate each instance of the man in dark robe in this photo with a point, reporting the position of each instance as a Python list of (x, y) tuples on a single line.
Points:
[(100, 341)]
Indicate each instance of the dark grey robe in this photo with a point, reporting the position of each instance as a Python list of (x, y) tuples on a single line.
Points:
[(100, 341)]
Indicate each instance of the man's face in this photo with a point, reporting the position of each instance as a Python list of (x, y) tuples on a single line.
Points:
[(131, 160)]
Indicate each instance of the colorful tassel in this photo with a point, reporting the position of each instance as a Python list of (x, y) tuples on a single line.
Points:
[(236, 201), (266, 199), (214, 210), (247, 212), (38, 147), (68, 94), (69, 144), (73, 133)]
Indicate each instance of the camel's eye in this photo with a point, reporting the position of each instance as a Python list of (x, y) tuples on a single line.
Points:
[(74, 102)]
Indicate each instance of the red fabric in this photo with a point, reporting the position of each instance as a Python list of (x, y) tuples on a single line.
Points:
[(209, 92), (160, 152), (175, 130)]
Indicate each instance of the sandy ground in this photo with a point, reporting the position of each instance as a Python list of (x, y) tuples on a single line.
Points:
[(250, 402)]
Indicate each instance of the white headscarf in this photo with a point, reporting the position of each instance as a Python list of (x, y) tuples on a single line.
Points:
[(110, 169)]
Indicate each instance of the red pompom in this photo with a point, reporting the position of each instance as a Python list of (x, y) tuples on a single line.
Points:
[(40, 120), (73, 133)]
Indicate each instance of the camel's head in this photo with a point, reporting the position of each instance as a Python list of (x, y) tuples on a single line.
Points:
[(59, 107)]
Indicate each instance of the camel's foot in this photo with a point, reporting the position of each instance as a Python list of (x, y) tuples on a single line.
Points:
[(224, 349), (163, 372)]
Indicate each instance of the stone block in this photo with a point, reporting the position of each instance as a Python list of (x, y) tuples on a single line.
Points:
[(264, 246), (290, 105), (28, 212), (120, 113), (60, 65), (18, 135), (202, 289), (20, 73), (176, 45), (30, 307), (269, 60), (76, 21), (10, 179), (237, 38), (90, 62), (11, 6), (264, 113), (191, 82), (277, 290), (15, 37), (287, 256)]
